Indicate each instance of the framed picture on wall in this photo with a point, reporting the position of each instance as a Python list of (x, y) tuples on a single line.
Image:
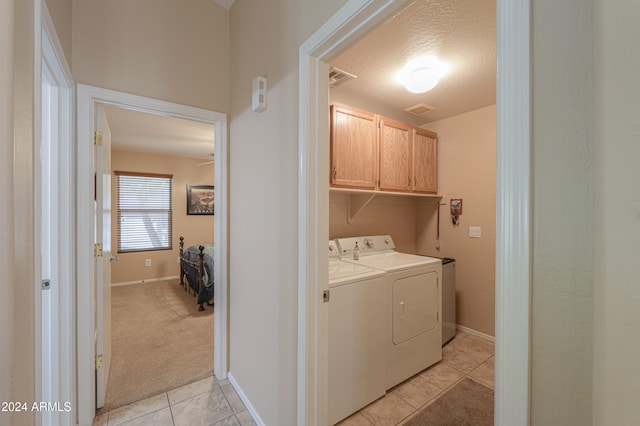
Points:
[(200, 199)]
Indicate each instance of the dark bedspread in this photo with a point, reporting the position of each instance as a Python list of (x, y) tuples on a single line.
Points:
[(191, 259)]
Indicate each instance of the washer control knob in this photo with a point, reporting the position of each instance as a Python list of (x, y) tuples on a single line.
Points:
[(368, 242)]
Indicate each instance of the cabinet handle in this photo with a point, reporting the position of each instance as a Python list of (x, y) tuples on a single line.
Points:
[(409, 181), (415, 181), (335, 171)]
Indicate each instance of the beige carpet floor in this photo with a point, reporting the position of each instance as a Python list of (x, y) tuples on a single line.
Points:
[(159, 341), (467, 403)]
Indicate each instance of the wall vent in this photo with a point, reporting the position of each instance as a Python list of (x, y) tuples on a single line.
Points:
[(338, 76), (420, 109)]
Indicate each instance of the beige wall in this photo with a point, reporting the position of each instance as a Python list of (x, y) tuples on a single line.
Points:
[(176, 51), (23, 345), (195, 229), (263, 183), (616, 150), (393, 215), (7, 284), (561, 321), (467, 170), (60, 11), (264, 209)]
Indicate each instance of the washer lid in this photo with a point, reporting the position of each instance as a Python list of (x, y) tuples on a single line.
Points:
[(339, 272), (395, 261)]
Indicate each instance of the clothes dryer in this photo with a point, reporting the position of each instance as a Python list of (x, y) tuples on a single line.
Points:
[(413, 303), (356, 336)]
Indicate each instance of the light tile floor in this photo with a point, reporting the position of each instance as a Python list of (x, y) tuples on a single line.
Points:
[(466, 355), (207, 402), (211, 402)]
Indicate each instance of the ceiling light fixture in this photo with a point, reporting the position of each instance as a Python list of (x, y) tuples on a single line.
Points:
[(421, 74)]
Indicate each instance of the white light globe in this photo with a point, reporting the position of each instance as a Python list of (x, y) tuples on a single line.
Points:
[(421, 80), (421, 74)]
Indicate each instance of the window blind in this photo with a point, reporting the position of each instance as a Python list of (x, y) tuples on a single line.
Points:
[(144, 212)]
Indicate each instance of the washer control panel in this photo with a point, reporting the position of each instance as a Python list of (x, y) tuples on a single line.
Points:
[(365, 245)]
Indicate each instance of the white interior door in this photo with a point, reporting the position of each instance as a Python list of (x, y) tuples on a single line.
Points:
[(103, 261), (49, 247)]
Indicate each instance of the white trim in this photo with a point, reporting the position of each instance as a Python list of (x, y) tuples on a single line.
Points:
[(88, 97), (513, 202), (150, 280), (245, 400), (475, 333), (50, 60), (37, 204), (513, 212)]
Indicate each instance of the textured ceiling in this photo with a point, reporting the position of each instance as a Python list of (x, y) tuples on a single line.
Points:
[(143, 132), (460, 32)]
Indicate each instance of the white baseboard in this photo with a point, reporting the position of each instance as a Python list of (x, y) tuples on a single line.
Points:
[(474, 332), (244, 399), (144, 281)]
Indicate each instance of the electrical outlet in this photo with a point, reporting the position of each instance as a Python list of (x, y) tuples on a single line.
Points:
[(475, 232), (147, 262)]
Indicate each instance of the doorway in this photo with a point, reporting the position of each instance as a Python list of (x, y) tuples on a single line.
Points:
[(513, 200), (153, 160), (88, 98)]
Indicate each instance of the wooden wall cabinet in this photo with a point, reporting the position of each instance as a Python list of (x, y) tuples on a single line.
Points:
[(395, 167), (425, 161), (376, 153), (354, 148)]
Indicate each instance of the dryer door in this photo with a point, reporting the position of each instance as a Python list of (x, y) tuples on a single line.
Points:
[(415, 306)]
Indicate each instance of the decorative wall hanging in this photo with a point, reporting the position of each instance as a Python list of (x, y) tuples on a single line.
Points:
[(200, 199)]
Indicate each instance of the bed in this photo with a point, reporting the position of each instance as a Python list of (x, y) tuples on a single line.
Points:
[(196, 272)]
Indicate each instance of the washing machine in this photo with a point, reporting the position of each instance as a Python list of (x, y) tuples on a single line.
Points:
[(356, 336), (413, 303)]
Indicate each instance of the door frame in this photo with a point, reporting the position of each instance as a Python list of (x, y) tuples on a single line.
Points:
[(513, 202), (57, 372), (88, 97), (102, 280)]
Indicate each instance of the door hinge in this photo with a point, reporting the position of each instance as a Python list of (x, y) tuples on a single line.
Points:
[(97, 250), (98, 361), (46, 284), (97, 138), (326, 296)]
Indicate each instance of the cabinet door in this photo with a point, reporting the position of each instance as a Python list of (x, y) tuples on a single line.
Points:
[(425, 161), (395, 155), (354, 148)]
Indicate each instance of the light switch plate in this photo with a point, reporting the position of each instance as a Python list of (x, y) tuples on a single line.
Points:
[(475, 232)]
